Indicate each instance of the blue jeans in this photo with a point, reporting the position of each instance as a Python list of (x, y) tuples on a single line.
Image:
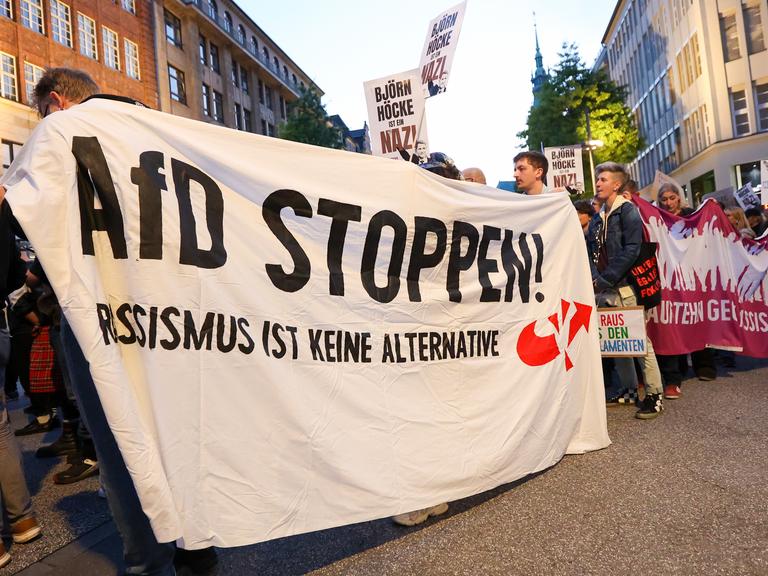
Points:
[(14, 494), (143, 554)]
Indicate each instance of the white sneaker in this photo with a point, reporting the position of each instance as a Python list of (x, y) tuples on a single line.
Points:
[(419, 516)]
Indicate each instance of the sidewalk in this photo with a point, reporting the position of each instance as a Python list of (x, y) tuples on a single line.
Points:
[(683, 494)]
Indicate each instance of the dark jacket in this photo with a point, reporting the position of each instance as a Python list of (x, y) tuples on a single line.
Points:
[(622, 237)]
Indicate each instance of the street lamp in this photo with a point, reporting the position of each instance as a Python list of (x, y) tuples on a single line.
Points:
[(590, 145)]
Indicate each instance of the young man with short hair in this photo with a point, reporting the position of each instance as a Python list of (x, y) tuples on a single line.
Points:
[(531, 172)]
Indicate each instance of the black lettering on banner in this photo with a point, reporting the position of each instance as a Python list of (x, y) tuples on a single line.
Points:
[(121, 314), (419, 259), (214, 216), (512, 263), (94, 178), (151, 183), (458, 263), (152, 327), (270, 211), (221, 323), (341, 213), (242, 323), (486, 266), (193, 337), (165, 316), (104, 314), (371, 250), (141, 335)]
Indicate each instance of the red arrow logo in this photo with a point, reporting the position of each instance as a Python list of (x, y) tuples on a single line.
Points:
[(535, 350)]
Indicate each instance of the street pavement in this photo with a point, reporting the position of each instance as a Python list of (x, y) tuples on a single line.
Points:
[(684, 494)]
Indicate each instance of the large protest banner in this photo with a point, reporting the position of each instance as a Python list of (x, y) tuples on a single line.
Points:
[(713, 283), (566, 171), (282, 350), (396, 114), (439, 48)]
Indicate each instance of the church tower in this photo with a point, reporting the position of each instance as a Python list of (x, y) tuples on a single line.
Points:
[(540, 75)]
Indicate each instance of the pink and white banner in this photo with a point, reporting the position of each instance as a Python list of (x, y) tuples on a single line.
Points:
[(713, 281)]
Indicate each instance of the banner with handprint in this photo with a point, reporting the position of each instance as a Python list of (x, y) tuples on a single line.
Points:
[(713, 282)]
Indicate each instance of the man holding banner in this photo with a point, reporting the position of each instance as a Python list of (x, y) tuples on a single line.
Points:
[(614, 245)]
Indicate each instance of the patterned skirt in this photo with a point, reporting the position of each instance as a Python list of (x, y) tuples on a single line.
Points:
[(44, 373)]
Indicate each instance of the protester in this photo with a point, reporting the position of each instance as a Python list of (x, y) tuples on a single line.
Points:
[(674, 368), (614, 244), (756, 220), (473, 175), (57, 90), (441, 164), (15, 501), (585, 211), (739, 220), (629, 190), (531, 172)]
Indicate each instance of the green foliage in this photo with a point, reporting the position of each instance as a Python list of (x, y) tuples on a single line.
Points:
[(308, 122), (560, 119)]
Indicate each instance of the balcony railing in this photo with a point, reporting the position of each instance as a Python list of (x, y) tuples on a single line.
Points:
[(240, 40)]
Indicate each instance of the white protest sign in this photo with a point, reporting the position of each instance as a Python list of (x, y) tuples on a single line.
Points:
[(283, 350), (566, 172), (764, 182), (659, 179), (746, 197), (396, 115), (439, 48), (622, 331)]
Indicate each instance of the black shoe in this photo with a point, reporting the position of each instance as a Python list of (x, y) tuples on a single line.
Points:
[(650, 407), (79, 469), (707, 374), (625, 397), (35, 427), (64, 445), (196, 562)]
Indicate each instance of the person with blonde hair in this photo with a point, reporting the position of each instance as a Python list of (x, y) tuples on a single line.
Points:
[(738, 218), (671, 200)]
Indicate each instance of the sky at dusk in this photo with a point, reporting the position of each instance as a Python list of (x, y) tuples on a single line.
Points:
[(342, 43)]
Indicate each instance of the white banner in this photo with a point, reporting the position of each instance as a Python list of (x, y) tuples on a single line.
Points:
[(396, 117), (566, 172), (746, 197), (439, 48), (283, 350), (622, 331)]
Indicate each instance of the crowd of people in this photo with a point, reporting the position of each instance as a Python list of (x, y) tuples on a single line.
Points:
[(39, 351)]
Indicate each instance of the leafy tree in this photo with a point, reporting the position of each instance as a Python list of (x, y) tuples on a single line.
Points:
[(308, 122), (572, 92)]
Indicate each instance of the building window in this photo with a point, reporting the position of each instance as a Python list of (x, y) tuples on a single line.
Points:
[(238, 116), (86, 30), (206, 101), (172, 29), (203, 51), (227, 22), (282, 107), (241, 34), (293, 77), (8, 77), (285, 73), (176, 82), (32, 75), (761, 105), (265, 53), (213, 10), (261, 92), (61, 25), (215, 66), (218, 107), (6, 9), (132, 69), (276, 65), (32, 15), (111, 48), (129, 6), (264, 127), (740, 115), (244, 80), (10, 149), (268, 96), (730, 37), (234, 76), (254, 46), (754, 28), (247, 122)]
